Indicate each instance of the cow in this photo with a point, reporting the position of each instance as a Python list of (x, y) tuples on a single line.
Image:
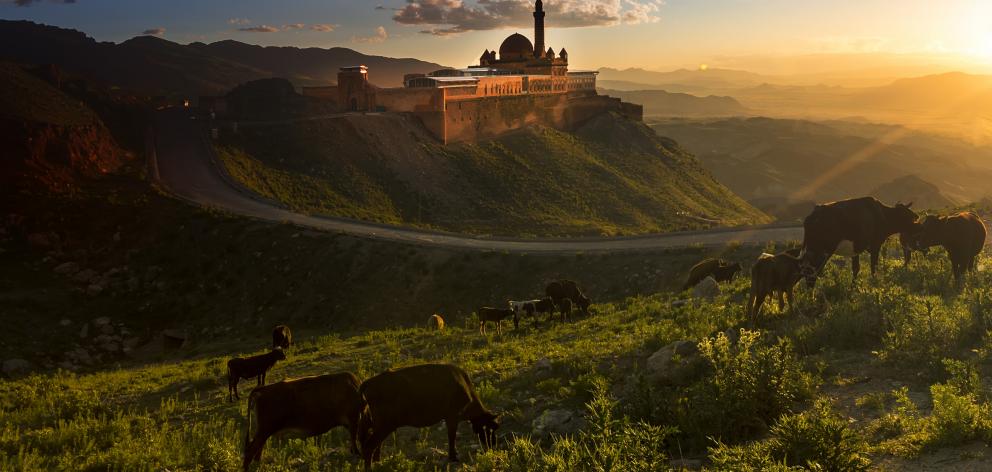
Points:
[(496, 315), (565, 308), (719, 269), (865, 222), (908, 242), (249, 367), (770, 274), (422, 396), (310, 406), (962, 235), (435, 322), (559, 290), (282, 338)]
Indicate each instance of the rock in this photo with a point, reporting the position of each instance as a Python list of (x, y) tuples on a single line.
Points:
[(94, 290), (107, 329), (173, 339), (79, 355), (83, 333), (679, 303), (117, 237), (85, 276), (152, 273), (15, 367), (708, 289), (557, 422), (65, 322), (67, 268), (676, 364), (110, 347), (101, 321), (543, 364), (133, 283), (43, 240), (686, 464)]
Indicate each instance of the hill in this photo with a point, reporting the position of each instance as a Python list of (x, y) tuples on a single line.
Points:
[(49, 137), (684, 80), (762, 158), (612, 176), (953, 94), (911, 188), (665, 104), (155, 66)]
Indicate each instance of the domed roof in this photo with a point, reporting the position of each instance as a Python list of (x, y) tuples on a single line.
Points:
[(516, 46)]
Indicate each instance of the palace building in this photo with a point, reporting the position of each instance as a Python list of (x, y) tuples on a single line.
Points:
[(523, 84)]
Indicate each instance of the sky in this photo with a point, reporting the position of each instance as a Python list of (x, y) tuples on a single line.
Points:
[(759, 35)]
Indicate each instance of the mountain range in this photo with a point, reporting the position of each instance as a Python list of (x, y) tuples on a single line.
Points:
[(155, 66)]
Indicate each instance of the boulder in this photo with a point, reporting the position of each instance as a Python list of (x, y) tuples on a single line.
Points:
[(83, 333), (543, 364), (85, 276), (94, 290), (707, 289), (678, 363), (65, 322), (557, 422), (15, 367), (43, 240), (173, 339), (67, 268), (101, 321)]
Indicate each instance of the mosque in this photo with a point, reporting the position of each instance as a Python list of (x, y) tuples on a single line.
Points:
[(523, 85)]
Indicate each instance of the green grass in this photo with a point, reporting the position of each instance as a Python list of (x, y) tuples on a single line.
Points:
[(611, 177)]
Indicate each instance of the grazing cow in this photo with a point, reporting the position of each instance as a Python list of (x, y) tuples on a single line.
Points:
[(565, 308), (421, 396), (523, 308), (545, 306), (282, 338), (562, 289), (865, 222), (962, 235), (311, 406), (246, 368), (778, 273), (719, 269), (909, 243), (435, 322), (496, 315)]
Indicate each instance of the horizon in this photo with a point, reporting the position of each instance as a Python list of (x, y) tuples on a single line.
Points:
[(597, 33)]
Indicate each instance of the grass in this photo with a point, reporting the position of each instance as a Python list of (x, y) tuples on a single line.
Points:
[(781, 396), (536, 182)]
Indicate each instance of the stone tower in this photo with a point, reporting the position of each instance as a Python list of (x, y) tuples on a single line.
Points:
[(539, 29)]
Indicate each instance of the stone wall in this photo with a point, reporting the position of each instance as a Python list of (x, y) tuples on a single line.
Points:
[(472, 120), (409, 99)]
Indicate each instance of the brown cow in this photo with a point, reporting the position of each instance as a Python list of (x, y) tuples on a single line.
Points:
[(421, 396), (249, 367), (435, 322), (865, 222), (565, 309), (311, 406), (496, 315), (719, 269), (282, 338), (962, 235), (778, 273), (562, 289)]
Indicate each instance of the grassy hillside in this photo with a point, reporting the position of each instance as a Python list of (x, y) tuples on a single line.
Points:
[(610, 177), (763, 158), (887, 375)]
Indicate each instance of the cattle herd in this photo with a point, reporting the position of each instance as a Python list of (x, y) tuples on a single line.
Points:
[(853, 226), (418, 396), (424, 395)]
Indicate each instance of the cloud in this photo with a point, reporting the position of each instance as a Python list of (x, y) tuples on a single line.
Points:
[(323, 27), (294, 26), (239, 21), (259, 29), (154, 31), (24, 3), (447, 17), (379, 37)]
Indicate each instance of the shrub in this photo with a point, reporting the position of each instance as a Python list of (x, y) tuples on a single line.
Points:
[(817, 439)]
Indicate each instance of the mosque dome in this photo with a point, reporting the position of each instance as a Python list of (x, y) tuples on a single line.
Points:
[(516, 46)]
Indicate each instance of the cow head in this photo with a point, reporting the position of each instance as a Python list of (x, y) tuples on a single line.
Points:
[(279, 353), (928, 233), (809, 267), (902, 217), (583, 303), (485, 426)]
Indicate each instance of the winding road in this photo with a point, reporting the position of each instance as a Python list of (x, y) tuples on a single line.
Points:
[(183, 164)]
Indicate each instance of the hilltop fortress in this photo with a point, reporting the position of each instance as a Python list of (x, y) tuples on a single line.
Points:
[(525, 84)]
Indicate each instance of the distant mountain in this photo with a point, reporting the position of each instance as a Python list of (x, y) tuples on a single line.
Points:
[(953, 93), (662, 103), (781, 162), (713, 78), (156, 66), (911, 188)]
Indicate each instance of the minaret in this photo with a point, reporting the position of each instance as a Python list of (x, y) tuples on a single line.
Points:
[(539, 29)]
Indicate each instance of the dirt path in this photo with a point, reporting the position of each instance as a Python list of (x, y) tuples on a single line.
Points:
[(184, 166)]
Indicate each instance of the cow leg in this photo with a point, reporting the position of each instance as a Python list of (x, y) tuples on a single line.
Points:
[(372, 447), (482, 328), (253, 451), (233, 387), (452, 432), (855, 266), (499, 327), (759, 300), (354, 419), (874, 260), (781, 301)]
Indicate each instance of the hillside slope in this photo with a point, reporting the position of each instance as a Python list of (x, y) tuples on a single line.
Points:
[(762, 158), (662, 103), (611, 177)]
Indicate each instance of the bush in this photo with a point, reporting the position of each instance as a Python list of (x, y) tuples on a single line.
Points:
[(817, 439), (750, 386)]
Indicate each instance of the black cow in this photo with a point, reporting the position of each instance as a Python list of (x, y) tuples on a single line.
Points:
[(865, 222), (719, 269), (559, 290), (250, 367), (962, 235), (282, 338)]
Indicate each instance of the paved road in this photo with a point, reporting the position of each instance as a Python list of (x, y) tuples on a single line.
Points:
[(185, 167)]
